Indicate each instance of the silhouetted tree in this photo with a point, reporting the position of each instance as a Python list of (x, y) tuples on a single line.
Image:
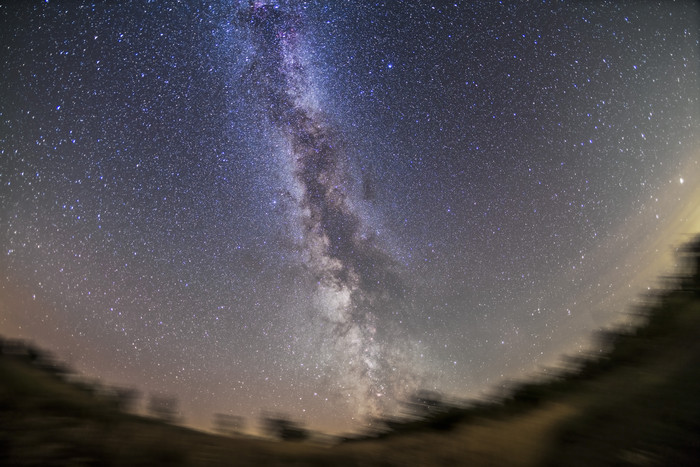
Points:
[(690, 256)]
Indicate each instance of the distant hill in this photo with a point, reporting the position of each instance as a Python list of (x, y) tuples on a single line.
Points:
[(636, 403)]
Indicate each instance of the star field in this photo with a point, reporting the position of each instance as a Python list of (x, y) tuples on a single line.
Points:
[(321, 207)]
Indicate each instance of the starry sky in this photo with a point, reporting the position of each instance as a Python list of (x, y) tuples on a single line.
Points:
[(320, 207)]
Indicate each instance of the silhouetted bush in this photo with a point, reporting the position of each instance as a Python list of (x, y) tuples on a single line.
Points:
[(228, 425), (125, 398), (163, 407), (282, 428)]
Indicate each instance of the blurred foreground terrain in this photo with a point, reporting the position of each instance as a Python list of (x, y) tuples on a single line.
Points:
[(635, 402)]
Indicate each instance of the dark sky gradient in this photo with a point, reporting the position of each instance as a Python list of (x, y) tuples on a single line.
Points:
[(320, 207)]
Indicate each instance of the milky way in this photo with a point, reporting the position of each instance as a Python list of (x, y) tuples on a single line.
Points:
[(317, 208), (355, 283)]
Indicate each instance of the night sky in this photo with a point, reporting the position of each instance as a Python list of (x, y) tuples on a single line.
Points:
[(319, 207)]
